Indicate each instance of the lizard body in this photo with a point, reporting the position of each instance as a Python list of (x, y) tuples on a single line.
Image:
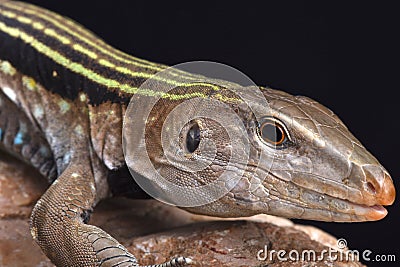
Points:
[(64, 94)]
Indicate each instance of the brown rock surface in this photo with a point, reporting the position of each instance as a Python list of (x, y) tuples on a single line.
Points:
[(153, 231)]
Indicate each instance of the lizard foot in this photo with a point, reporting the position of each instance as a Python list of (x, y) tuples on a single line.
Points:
[(176, 262)]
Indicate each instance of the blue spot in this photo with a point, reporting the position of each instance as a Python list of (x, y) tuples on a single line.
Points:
[(67, 158), (19, 138), (1, 134)]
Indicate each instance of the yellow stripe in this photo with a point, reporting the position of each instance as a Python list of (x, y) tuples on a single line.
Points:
[(85, 51), (106, 63), (38, 26), (52, 33), (149, 65), (40, 12), (93, 76), (77, 47), (79, 36), (78, 31), (24, 20), (60, 59), (9, 14)]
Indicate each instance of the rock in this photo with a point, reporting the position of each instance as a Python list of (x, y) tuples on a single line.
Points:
[(20, 187), (155, 232), (229, 243)]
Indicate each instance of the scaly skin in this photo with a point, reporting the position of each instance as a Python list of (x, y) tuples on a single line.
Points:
[(63, 98)]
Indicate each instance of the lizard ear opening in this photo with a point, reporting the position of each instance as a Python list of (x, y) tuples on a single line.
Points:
[(193, 137)]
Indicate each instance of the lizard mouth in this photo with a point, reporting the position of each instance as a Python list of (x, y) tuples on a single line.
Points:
[(379, 191), (314, 200), (370, 213), (298, 201), (341, 210), (345, 210)]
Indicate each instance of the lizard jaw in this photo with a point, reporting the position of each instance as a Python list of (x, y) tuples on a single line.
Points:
[(376, 191), (307, 203), (370, 213)]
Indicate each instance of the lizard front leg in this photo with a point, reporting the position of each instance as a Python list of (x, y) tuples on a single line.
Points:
[(58, 224)]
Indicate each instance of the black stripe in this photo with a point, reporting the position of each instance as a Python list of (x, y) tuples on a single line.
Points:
[(67, 83)]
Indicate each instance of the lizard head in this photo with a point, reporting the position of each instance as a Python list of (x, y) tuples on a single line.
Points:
[(298, 160), (312, 168)]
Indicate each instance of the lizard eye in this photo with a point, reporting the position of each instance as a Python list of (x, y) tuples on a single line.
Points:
[(273, 132), (193, 138)]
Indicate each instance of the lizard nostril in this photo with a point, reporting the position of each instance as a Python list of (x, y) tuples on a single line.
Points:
[(371, 188), (379, 184)]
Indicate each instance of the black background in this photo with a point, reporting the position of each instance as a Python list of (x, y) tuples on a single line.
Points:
[(342, 55)]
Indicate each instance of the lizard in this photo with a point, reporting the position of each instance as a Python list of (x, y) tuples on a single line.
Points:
[(64, 93)]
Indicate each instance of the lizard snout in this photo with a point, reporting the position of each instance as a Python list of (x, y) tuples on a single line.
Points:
[(379, 185)]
